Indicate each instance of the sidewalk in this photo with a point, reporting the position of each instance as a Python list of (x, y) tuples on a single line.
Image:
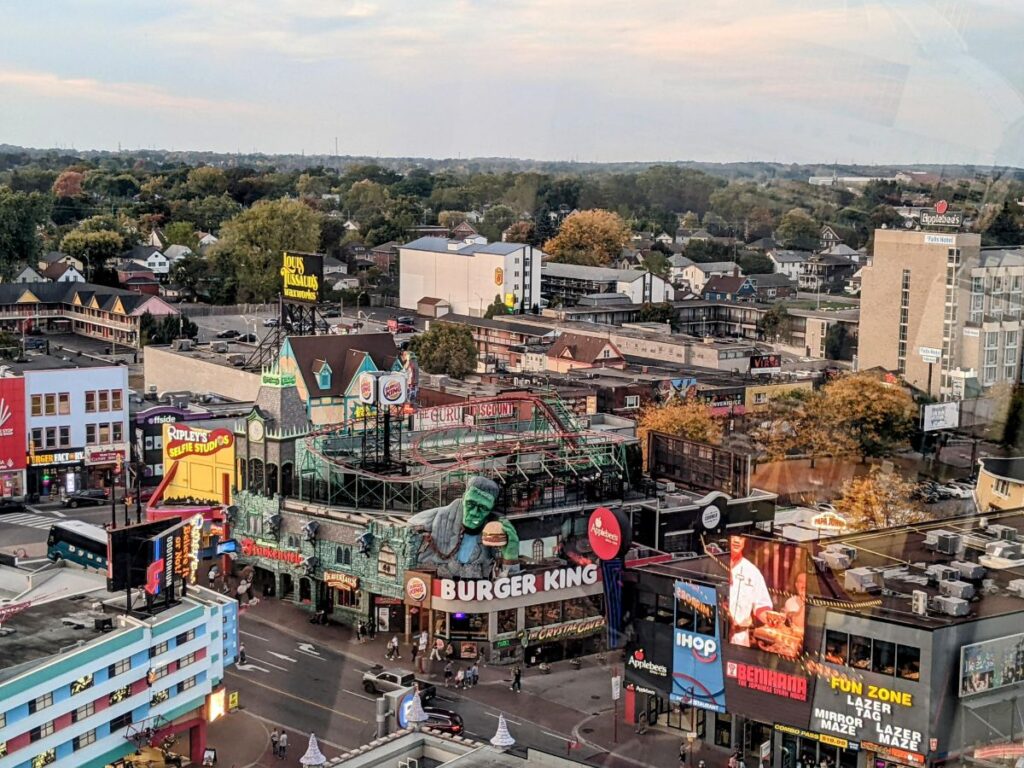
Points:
[(242, 740)]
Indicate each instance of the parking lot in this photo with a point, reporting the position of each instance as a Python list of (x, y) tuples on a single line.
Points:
[(210, 325)]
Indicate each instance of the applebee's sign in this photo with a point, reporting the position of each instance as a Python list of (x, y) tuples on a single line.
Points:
[(639, 661)]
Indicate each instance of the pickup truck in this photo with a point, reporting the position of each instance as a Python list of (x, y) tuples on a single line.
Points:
[(379, 680)]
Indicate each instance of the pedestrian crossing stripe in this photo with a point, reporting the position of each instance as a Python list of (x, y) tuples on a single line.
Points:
[(28, 520)]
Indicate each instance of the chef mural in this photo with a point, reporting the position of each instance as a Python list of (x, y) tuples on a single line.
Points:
[(467, 539)]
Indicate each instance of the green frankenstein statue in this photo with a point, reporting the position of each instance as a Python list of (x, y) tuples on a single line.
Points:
[(454, 539)]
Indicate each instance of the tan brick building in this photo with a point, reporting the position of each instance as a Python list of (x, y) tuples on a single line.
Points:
[(931, 290)]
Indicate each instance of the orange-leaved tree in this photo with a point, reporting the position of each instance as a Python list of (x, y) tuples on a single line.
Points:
[(878, 500), (690, 418), (592, 238)]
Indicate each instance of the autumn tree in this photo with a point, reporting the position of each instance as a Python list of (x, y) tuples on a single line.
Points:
[(591, 238), (798, 230), (876, 415), (878, 500), (520, 232), (68, 184), (799, 423), (689, 418), (447, 349), (254, 240), (206, 181)]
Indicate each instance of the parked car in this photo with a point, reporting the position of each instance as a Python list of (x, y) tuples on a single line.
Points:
[(379, 680), (406, 320), (957, 491), (92, 497), (248, 338), (825, 507), (332, 312), (271, 322), (34, 342), (12, 504), (403, 328), (230, 333), (443, 720)]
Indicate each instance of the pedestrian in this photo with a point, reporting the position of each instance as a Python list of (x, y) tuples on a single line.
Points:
[(517, 679), (241, 653), (424, 639), (282, 745), (734, 760), (449, 652), (682, 753), (415, 653), (393, 649), (212, 575), (435, 652), (360, 631), (371, 629), (460, 679), (274, 737), (473, 676), (448, 675)]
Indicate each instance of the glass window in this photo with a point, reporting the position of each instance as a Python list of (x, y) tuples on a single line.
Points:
[(836, 645), (37, 438), (534, 616), (184, 661), (185, 637), (463, 625), (117, 431), (41, 731), (51, 437), (115, 399), (706, 616), (84, 711), (90, 402), (686, 615), (883, 658), (40, 703), (51, 405), (64, 403), (860, 652), (104, 399), (908, 662), (37, 405), (119, 667), (507, 621), (83, 739), (104, 433), (90, 434), (121, 721), (65, 437), (184, 685), (157, 649)]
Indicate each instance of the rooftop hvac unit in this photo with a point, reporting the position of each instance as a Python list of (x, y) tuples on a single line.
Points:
[(1004, 549), (1016, 587), (941, 573), (919, 602), (969, 571), (862, 580), (947, 543), (951, 606), (1003, 532), (837, 561), (845, 549), (960, 589), (931, 539)]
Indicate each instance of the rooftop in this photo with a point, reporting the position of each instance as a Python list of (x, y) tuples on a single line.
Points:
[(581, 272), (444, 245), (483, 322), (1008, 469)]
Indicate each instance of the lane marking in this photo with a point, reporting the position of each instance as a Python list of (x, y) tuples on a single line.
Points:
[(311, 655), (360, 695), (279, 692), (264, 661), (507, 719), (250, 634), (281, 656), (558, 736), (247, 667)]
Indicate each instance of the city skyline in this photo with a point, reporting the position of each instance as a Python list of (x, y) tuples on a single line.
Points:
[(847, 81)]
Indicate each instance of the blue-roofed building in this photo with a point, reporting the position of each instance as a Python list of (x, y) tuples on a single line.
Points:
[(469, 274)]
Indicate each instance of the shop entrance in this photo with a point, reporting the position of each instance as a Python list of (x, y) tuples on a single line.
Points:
[(687, 719), (800, 752), (305, 590)]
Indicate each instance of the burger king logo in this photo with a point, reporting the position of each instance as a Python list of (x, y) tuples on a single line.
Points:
[(416, 589), (366, 388), (392, 391)]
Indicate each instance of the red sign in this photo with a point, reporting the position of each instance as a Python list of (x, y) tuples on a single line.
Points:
[(182, 441), (941, 207), (153, 572), (608, 532), (105, 457), (12, 423), (767, 680), (251, 549)]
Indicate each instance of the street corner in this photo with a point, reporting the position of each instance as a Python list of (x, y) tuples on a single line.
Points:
[(240, 738)]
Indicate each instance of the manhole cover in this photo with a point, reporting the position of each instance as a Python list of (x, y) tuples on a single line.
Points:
[(586, 730), (596, 697)]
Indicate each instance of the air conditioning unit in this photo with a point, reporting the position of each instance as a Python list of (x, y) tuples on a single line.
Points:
[(931, 538), (863, 580), (960, 589), (844, 549), (969, 571), (1003, 532), (837, 561), (919, 602), (1003, 549), (1016, 587), (951, 606), (940, 573), (948, 543)]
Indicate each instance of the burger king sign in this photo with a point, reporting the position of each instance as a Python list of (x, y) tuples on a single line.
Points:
[(609, 533), (367, 388), (392, 389)]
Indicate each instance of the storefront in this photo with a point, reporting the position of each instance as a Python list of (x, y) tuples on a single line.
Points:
[(104, 466), (388, 613), (534, 616), (54, 473)]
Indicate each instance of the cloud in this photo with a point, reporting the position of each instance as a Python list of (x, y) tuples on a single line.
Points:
[(139, 96)]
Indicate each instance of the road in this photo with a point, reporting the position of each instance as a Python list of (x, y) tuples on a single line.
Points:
[(373, 320), (27, 530)]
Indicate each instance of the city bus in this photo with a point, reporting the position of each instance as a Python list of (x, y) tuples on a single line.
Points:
[(76, 542)]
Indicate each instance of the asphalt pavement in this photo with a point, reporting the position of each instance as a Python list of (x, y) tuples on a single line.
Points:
[(24, 532)]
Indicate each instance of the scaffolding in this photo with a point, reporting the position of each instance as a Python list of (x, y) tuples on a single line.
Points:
[(537, 451)]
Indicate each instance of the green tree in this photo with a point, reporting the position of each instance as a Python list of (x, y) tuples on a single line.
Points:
[(165, 329), (312, 186), (182, 233), (656, 263), (206, 181), (496, 220), (658, 313), (593, 237), (93, 249), (21, 215), (208, 213), (254, 241), (753, 263), (798, 230), (703, 251), (447, 349), (776, 323), (1005, 227), (497, 307), (191, 273)]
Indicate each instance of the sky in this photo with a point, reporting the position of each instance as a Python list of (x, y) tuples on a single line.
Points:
[(803, 81)]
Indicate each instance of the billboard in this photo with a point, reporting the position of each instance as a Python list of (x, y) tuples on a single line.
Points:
[(12, 423), (301, 276), (199, 464), (765, 365), (697, 678), (767, 595), (609, 533), (392, 389), (174, 552), (130, 554), (367, 388), (992, 664), (940, 416)]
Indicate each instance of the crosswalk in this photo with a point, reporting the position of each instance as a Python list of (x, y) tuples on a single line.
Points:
[(28, 520)]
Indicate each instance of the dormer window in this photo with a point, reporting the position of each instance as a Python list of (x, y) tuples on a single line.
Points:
[(323, 376)]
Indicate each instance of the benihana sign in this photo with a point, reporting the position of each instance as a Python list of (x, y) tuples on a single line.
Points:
[(521, 584)]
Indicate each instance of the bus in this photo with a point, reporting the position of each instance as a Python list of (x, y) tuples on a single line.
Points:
[(76, 542)]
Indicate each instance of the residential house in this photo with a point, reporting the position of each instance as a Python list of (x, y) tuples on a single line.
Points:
[(853, 285), (52, 257), (788, 263), (763, 244), (676, 264), (206, 239), (27, 275), (157, 239), (501, 344), (571, 351), (568, 283), (351, 226), (729, 288), (689, 236), (334, 268), (430, 306), (828, 237), (664, 238), (62, 273), (431, 230), (346, 283), (385, 257), (1000, 483), (824, 272), (327, 370), (148, 255), (143, 282), (697, 275), (846, 251), (464, 231), (175, 253), (772, 286)]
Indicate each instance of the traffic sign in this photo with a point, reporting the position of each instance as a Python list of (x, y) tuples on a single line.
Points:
[(616, 687)]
